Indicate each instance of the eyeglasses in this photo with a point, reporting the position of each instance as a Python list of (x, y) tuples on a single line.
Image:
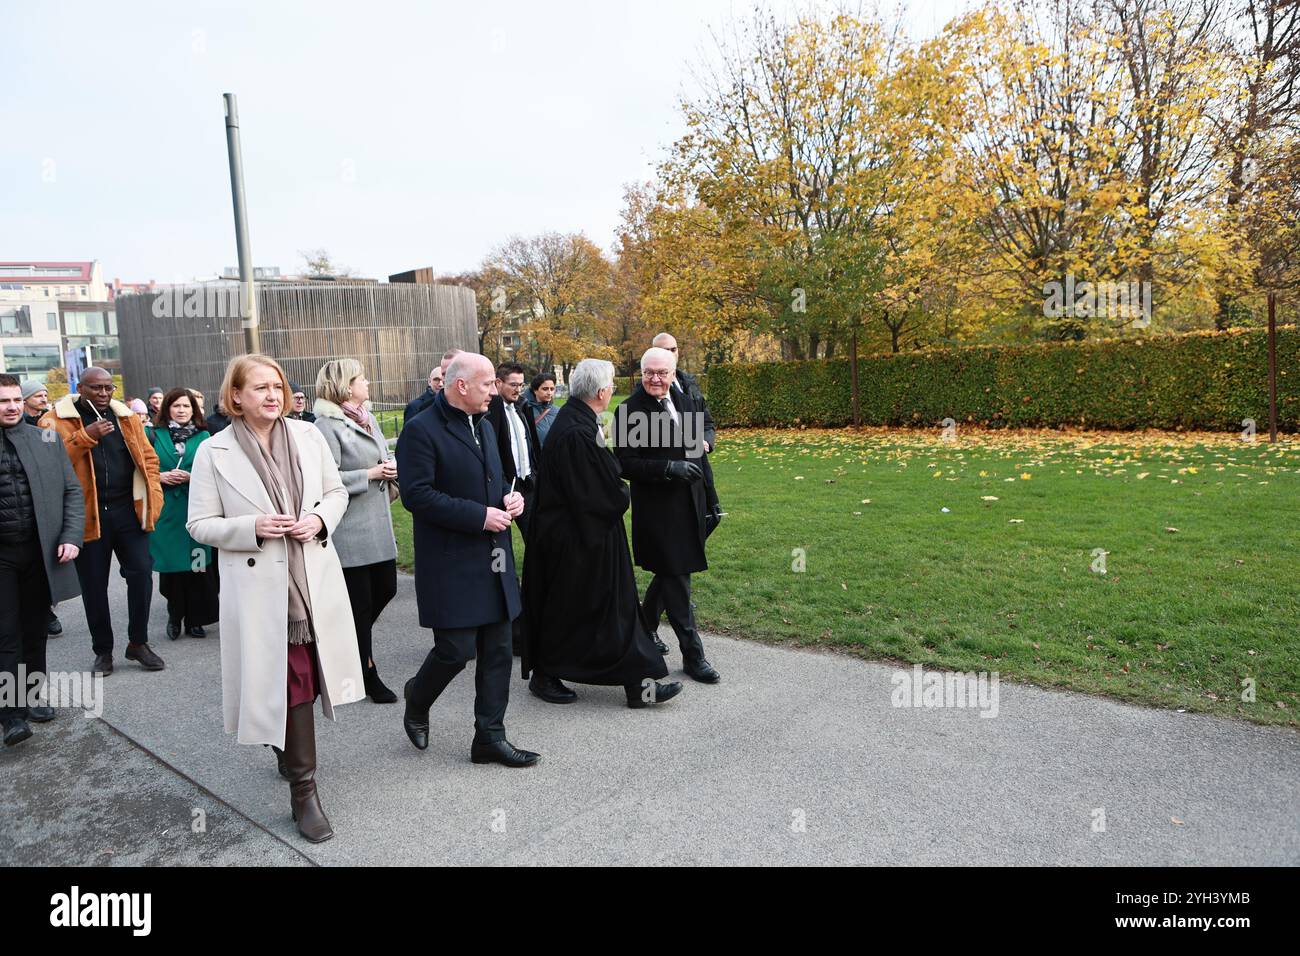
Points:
[(85, 387), (652, 373)]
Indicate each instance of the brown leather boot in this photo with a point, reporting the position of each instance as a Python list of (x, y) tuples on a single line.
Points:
[(300, 762), (279, 762)]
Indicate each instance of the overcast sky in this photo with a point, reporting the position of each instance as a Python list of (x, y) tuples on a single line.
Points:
[(394, 135)]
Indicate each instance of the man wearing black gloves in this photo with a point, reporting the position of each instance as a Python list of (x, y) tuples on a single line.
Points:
[(660, 438)]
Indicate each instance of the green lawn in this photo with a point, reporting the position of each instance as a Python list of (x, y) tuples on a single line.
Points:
[(1201, 589)]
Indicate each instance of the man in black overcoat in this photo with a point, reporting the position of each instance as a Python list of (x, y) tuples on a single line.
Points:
[(580, 597), (660, 442), (449, 473), (42, 523)]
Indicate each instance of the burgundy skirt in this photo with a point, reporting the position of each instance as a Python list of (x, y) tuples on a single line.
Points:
[(304, 686)]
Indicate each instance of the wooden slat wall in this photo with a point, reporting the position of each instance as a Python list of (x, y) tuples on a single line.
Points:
[(397, 333)]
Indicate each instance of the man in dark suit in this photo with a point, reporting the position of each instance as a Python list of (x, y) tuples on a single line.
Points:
[(437, 377), (660, 441), (685, 384), (449, 471), (42, 521), (517, 441)]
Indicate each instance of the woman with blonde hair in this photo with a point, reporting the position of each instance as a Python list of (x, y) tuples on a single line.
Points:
[(266, 492), (364, 537)]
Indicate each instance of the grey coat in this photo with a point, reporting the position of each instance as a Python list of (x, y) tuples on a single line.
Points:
[(57, 501), (365, 535)]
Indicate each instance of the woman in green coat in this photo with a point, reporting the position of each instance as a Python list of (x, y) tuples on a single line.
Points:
[(187, 575)]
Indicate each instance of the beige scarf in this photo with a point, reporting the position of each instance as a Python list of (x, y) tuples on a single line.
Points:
[(281, 475)]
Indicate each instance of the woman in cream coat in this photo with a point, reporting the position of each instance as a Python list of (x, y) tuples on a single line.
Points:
[(266, 492)]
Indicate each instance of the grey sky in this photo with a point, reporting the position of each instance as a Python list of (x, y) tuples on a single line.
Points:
[(395, 135)]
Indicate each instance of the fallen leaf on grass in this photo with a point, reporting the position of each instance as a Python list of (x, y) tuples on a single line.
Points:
[(988, 497), (1016, 521), (1172, 530)]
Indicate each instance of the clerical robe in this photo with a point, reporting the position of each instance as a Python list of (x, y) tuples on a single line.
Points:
[(580, 597)]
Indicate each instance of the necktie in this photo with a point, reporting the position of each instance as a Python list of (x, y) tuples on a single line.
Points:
[(518, 442), (667, 404)]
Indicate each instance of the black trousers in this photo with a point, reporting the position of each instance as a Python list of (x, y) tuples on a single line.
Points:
[(370, 588), (525, 520), (672, 593), (119, 533), (193, 598), (24, 609), (452, 650)]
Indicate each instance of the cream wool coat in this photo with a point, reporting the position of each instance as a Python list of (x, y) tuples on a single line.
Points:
[(226, 498)]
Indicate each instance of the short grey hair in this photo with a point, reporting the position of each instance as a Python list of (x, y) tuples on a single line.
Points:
[(661, 336), (661, 354), (588, 377)]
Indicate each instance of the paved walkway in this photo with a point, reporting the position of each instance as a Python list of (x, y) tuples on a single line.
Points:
[(796, 758)]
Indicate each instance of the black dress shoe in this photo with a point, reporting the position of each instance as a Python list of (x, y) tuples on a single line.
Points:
[(415, 725), (196, 631), (173, 630), (16, 730), (40, 714), (702, 671), (52, 627), (143, 655), (504, 753), (550, 689), (660, 646), (663, 691), (103, 665)]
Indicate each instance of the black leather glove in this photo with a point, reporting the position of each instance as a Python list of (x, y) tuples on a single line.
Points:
[(684, 471)]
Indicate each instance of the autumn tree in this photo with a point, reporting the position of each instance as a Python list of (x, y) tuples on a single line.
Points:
[(558, 290)]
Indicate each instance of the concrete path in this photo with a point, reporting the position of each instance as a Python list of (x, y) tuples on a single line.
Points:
[(796, 758)]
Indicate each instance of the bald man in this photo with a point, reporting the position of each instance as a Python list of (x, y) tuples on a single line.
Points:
[(437, 376), (449, 471)]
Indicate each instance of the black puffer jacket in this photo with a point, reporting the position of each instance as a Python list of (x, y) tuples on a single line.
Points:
[(17, 512)]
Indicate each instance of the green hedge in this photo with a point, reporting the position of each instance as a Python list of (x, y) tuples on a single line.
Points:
[(1200, 380)]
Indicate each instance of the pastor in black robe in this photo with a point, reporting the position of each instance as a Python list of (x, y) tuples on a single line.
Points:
[(580, 598)]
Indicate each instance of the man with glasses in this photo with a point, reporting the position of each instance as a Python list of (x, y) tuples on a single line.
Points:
[(517, 441), (658, 435), (118, 470), (685, 383)]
